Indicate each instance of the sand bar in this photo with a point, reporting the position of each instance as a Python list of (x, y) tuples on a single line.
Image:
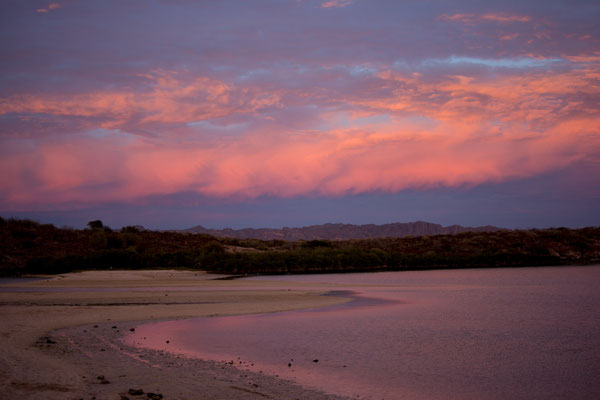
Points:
[(55, 344)]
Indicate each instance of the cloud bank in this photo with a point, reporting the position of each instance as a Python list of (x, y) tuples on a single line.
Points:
[(252, 109)]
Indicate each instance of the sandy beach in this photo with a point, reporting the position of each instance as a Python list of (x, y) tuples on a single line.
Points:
[(61, 337)]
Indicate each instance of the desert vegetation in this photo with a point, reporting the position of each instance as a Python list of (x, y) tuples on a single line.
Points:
[(27, 247)]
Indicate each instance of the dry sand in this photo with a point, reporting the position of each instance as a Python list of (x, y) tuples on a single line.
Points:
[(55, 344)]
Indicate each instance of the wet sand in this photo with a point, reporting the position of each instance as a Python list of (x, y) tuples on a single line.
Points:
[(64, 342)]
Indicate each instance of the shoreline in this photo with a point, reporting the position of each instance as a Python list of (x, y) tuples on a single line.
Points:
[(100, 351), (51, 346)]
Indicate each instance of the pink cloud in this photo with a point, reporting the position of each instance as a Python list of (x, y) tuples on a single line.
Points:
[(171, 99), (383, 157), (450, 130), (50, 7), (336, 3), (505, 18), (588, 58), (477, 18), (509, 36)]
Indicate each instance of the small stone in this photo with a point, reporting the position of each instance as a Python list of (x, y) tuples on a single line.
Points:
[(289, 364), (167, 341), (100, 377), (104, 382), (135, 392), (316, 360), (154, 396), (114, 327), (131, 329), (95, 326), (123, 397)]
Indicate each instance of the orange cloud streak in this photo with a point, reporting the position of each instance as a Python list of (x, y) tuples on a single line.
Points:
[(172, 99)]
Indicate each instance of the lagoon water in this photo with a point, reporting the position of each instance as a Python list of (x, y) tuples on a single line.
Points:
[(530, 333)]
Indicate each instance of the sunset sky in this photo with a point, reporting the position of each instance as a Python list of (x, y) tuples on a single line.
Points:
[(171, 114)]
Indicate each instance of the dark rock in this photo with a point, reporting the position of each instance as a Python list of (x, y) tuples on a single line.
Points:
[(50, 341), (289, 364), (123, 397), (135, 392), (316, 360), (114, 327), (104, 382), (131, 329), (95, 326), (100, 377), (154, 396), (167, 341)]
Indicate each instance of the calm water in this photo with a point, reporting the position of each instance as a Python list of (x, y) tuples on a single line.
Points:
[(10, 281), (530, 333)]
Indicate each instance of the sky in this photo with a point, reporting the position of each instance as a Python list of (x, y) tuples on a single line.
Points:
[(272, 113)]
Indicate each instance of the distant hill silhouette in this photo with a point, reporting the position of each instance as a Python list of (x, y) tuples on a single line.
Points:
[(28, 247), (342, 231)]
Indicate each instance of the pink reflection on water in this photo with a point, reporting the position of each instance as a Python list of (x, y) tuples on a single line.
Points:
[(241, 340), (516, 334)]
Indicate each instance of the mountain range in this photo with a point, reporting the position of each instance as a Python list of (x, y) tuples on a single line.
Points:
[(342, 231)]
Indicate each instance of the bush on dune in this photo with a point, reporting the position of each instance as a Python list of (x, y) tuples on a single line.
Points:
[(29, 247)]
